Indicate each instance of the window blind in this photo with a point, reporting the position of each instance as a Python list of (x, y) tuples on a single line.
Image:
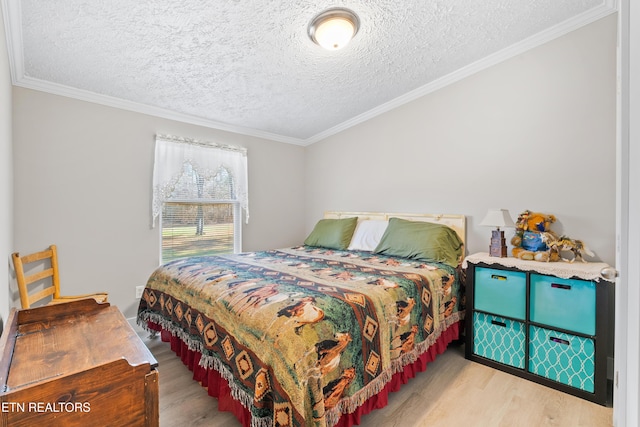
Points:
[(198, 229)]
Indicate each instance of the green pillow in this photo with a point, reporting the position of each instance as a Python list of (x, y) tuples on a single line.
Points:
[(419, 240), (332, 233)]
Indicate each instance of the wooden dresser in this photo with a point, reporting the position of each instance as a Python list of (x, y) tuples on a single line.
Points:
[(75, 364)]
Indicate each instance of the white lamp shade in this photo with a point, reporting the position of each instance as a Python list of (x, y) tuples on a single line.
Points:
[(498, 218)]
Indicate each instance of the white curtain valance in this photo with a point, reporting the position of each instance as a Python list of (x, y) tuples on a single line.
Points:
[(171, 155)]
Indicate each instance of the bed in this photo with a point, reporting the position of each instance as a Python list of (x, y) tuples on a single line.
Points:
[(317, 334)]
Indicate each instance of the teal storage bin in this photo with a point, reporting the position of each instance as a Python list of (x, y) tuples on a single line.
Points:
[(561, 357), (563, 303), (500, 292), (499, 339)]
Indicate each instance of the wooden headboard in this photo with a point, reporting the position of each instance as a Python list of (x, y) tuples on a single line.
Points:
[(456, 222)]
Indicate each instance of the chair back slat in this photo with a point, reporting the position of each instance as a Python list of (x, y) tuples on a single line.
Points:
[(37, 256), (38, 276), (43, 293)]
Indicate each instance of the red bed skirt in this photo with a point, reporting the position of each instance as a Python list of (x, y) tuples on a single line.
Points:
[(219, 388)]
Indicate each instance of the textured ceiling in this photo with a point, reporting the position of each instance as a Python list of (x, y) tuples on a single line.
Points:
[(250, 67)]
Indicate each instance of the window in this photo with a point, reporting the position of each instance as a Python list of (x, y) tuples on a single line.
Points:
[(199, 193), (201, 216)]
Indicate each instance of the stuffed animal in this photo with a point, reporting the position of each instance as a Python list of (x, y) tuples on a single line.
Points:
[(563, 245), (527, 242)]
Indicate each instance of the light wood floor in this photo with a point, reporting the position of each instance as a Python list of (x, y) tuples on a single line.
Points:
[(452, 392)]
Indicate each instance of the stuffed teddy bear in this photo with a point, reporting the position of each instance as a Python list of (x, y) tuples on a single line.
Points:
[(527, 242)]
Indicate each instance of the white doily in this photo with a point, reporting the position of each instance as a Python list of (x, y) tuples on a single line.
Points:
[(563, 269)]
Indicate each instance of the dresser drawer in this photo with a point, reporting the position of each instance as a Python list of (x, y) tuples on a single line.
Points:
[(563, 303), (561, 357), (499, 339), (500, 292)]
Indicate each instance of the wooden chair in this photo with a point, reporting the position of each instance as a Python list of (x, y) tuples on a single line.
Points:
[(49, 276)]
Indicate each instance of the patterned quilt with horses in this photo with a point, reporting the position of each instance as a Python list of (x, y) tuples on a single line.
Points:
[(303, 334)]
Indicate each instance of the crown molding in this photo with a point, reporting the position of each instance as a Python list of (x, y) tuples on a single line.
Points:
[(110, 101), (13, 34), (12, 12), (606, 9)]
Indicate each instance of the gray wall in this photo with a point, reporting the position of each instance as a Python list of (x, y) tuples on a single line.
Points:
[(535, 132), (6, 175), (83, 181)]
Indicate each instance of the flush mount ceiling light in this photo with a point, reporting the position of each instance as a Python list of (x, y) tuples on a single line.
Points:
[(334, 28)]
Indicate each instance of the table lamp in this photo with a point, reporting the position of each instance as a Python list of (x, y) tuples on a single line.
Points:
[(498, 218)]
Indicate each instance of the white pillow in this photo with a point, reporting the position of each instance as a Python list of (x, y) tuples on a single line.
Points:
[(367, 235)]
